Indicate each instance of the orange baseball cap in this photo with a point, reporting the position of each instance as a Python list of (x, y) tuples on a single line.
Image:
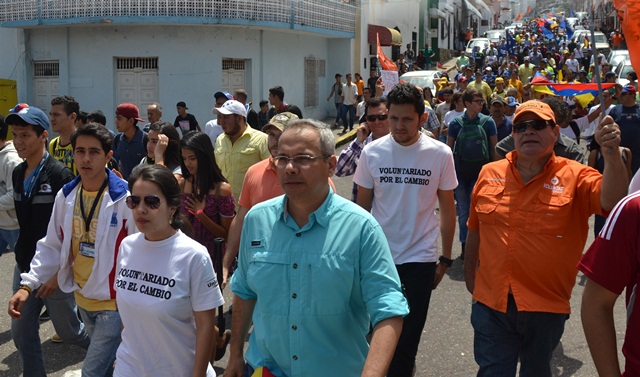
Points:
[(540, 109)]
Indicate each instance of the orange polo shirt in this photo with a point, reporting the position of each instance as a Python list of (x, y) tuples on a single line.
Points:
[(532, 235), (261, 183)]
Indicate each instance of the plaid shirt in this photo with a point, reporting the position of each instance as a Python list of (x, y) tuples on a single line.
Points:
[(348, 161)]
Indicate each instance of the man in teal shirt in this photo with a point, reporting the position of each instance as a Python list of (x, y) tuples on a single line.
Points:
[(314, 272)]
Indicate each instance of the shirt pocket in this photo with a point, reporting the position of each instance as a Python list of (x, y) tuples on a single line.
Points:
[(248, 156), (552, 214), (330, 283), (487, 202), (268, 276)]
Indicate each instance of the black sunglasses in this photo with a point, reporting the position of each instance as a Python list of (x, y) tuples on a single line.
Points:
[(151, 201), (380, 117), (537, 125)]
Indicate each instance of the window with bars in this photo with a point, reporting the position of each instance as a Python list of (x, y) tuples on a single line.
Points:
[(228, 64), (313, 69), (133, 63), (46, 69)]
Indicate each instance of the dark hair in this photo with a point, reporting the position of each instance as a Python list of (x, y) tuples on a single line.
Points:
[(82, 116), (455, 98), (406, 93), (447, 90), (278, 92), (69, 103), (264, 102), (98, 117), (94, 130), (294, 109), (469, 94), (209, 173), (367, 89), (337, 75), (22, 123), (633, 75), (374, 102), (3, 128), (172, 155), (168, 185)]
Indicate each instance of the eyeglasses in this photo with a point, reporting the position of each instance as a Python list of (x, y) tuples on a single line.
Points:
[(380, 117), (537, 125), (478, 101), (299, 160), (151, 201)]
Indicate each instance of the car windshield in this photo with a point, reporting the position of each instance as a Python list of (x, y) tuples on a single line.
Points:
[(625, 70), (479, 43), (617, 58), (494, 34), (600, 38), (421, 81)]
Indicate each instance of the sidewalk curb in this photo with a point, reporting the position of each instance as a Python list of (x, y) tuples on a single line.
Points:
[(344, 139)]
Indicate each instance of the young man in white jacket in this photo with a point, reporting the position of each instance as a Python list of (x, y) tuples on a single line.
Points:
[(89, 220), (9, 159)]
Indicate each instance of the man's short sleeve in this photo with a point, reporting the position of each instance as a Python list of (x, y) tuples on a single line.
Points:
[(490, 127), (589, 189), (448, 178), (612, 260), (363, 176)]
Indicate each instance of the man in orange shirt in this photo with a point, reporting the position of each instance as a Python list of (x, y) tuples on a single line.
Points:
[(528, 225), (616, 40)]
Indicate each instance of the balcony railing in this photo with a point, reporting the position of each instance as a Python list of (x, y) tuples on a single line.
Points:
[(333, 15)]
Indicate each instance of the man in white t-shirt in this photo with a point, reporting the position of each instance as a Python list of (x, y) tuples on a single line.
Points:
[(349, 101), (212, 128), (407, 173)]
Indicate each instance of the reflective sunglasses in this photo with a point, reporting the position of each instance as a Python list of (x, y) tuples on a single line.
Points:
[(380, 117), (299, 160), (537, 125), (151, 201)]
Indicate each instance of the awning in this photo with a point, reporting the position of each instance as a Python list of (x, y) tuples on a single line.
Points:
[(435, 12), (388, 37), (484, 6), (448, 8), (473, 9)]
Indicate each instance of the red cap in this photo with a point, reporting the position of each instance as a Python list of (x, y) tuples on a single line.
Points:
[(129, 110)]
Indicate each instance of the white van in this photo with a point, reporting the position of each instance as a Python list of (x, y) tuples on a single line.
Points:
[(601, 40)]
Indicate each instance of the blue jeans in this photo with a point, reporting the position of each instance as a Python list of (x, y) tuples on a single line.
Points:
[(351, 110), (248, 370), (463, 202), (104, 328), (501, 339), (338, 111), (8, 238), (24, 331), (417, 284)]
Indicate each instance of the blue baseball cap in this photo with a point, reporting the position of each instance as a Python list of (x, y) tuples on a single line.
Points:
[(511, 101), (28, 114), (223, 94)]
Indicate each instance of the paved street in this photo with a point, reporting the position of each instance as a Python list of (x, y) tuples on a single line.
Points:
[(447, 342)]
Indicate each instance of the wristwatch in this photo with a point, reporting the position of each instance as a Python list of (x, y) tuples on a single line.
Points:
[(446, 261)]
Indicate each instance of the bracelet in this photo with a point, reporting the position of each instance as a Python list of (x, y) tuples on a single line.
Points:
[(26, 288), (199, 212)]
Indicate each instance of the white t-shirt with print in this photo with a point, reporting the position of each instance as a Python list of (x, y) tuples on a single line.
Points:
[(159, 284), (405, 182)]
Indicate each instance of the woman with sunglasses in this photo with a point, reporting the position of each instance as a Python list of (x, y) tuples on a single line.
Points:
[(207, 203), (166, 287)]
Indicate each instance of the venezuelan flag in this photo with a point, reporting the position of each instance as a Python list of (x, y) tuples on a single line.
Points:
[(584, 93), (262, 372)]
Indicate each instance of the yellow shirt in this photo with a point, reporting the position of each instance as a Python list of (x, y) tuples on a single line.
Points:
[(63, 154), (483, 87), (83, 259), (235, 159)]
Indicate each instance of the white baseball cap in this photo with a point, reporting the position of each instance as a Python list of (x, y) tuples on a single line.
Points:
[(232, 107)]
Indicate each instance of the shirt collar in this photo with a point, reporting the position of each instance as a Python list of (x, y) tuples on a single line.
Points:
[(321, 215)]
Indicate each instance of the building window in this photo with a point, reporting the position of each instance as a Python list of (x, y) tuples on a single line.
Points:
[(237, 64), (140, 63), (46, 69), (313, 70)]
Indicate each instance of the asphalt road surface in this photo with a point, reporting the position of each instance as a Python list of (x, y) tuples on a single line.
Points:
[(446, 347)]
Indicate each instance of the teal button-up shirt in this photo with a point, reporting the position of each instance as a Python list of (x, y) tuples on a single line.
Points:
[(317, 288)]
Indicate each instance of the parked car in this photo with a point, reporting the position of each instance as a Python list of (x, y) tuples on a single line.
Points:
[(601, 41), (621, 70), (495, 35), (423, 79), (480, 42), (617, 56)]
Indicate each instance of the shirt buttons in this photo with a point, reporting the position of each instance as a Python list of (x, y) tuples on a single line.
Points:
[(298, 234), (295, 357), (294, 295), (294, 327), (295, 265)]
